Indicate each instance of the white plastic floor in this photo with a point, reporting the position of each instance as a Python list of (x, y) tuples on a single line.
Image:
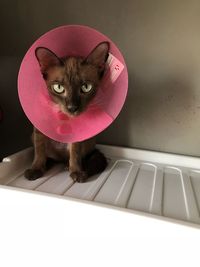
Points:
[(155, 183)]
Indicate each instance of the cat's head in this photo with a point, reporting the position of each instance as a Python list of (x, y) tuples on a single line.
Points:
[(73, 82)]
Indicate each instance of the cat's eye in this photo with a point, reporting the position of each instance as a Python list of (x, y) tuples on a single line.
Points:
[(59, 89), (86, 87)]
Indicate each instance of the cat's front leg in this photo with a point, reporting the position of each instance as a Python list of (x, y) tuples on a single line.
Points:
[(39, 163), (75, 163)]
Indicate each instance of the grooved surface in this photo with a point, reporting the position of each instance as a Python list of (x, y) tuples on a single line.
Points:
[(134, 184)]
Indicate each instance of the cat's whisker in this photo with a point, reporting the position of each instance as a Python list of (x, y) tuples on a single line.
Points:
[(98, 101), (96, 104)]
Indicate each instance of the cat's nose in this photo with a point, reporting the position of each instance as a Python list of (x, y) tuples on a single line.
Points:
[(72, 108)]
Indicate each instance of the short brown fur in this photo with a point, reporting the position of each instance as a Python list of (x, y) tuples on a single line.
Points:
[(70, 74)]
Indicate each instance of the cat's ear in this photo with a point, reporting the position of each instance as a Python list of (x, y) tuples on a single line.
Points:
[(99, 55), (46, 58)]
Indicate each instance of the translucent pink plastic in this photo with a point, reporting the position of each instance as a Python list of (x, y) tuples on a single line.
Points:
[(72, 40)]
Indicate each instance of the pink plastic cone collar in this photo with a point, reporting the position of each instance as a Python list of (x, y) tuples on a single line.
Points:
[(73, 40)]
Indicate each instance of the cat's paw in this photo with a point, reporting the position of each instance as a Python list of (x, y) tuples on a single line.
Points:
[(79, 176), (32, 174)]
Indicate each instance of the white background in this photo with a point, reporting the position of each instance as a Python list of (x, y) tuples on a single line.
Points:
[(39, 230)]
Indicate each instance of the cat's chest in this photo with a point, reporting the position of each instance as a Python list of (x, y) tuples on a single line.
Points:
[(57, 150)]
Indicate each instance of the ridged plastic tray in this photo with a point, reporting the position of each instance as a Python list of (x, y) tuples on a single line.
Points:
[(164, 185)]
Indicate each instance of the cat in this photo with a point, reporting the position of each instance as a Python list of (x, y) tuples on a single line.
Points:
[(72, 83)]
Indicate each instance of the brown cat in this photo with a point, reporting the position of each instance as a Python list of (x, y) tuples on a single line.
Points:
[(72, 83)]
